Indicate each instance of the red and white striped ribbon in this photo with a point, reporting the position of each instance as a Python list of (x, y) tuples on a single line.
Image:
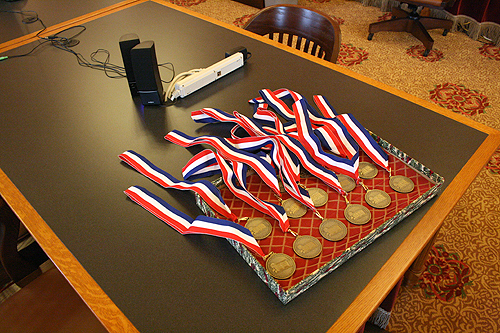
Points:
[(184, 224)]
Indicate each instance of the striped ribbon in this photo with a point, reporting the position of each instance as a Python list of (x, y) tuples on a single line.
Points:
[(313, 146), (357, 131), (236, 182), (334, 135), (201, 165), (345, 127), (293, 145), (205, 189), (184, 224), (263, 168)]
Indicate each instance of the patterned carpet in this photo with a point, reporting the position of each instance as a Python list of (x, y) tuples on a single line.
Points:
[(460, 289)]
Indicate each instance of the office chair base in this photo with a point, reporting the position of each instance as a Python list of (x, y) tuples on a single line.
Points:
[(412, 22)]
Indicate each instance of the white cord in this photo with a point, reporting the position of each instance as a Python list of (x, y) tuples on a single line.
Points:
[(171, 93)]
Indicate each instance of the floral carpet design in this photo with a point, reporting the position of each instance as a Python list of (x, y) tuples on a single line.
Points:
[(445, 276), (187, 3), (350, 55), (386, 17), (417, 51), (242, 21), (494, 164), (490, 51), (459, 99)]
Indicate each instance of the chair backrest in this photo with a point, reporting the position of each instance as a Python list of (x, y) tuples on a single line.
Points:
[(305, 29)]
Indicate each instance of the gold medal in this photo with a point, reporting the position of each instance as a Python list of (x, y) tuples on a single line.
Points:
[(307, 247), (318, 196), (401, 184), (347, 183), (332, 230), (357, 214), (280, 266), (293, 208), (367, 170), (259, 227), (377, 199)]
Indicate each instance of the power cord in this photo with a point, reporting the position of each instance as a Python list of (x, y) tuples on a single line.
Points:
[(65, 43), (171, 93)]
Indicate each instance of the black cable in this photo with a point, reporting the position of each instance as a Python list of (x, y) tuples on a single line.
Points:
[(171, 69), (111, 70), (64, 43), (27, 53)]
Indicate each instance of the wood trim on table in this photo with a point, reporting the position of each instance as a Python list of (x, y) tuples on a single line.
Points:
[(96, 299), (393, 270), (370, 297)]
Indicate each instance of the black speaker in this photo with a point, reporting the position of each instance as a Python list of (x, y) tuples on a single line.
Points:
[(127, 42), (146, 73)]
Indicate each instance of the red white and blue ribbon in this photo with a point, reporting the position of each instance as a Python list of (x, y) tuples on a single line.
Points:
[(210, 115), (285, 162), (263, 168), (313, 146), (231, 179), (289, 141), (202, 165), (204, 188), (357, 131), (302, 114), (184, 224), (234, 176)]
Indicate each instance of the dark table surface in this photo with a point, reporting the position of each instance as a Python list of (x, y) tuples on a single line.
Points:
[(63, 126), (50, 12)]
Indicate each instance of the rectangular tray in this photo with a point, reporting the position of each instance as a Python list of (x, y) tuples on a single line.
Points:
[(334, 254)]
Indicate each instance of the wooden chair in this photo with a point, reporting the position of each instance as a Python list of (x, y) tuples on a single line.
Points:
[(413, 23), (46, 302), (305, 29)]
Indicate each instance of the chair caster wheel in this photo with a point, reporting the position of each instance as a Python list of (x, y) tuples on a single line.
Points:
[(370, 36), (426, 52), (445, 32)]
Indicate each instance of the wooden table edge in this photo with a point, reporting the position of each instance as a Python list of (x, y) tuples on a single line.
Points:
[(376, 290), (393, 270), (91, 293)]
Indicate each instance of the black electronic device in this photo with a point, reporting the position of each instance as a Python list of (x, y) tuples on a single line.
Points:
[(146, 73), (127, 42)]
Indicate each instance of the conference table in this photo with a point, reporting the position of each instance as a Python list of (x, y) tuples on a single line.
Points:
[(63, 126)]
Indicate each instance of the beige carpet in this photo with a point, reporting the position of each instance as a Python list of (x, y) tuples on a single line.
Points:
[(460, 290)]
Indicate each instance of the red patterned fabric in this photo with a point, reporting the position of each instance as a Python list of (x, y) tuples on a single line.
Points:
[(480, 10), (280, 242)]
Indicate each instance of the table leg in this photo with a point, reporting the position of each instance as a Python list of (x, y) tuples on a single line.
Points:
[(413, 273)]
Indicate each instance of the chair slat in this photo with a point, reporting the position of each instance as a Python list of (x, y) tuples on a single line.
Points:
[(298, 44), (314, 48), (306, 46)]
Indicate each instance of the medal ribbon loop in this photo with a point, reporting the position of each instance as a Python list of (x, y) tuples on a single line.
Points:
[(204, 188), (263, 168), (184, 224), (357, 131), (290, 143), (235, 180)]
